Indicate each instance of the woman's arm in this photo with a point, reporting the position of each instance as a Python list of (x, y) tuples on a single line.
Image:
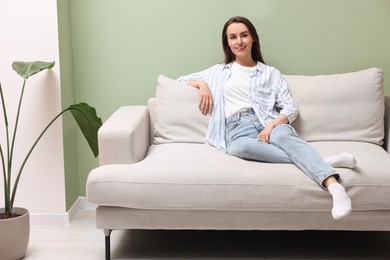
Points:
[(288, 106), (285, 101), (198, 80), (205, 96)]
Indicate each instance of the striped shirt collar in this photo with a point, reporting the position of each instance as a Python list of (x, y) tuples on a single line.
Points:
[(259, 66)]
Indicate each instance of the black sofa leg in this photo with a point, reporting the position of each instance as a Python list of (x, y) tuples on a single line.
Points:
[(107, 233)]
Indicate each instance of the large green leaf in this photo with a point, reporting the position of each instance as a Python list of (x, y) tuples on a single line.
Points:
[(89, 124), (27, 69)]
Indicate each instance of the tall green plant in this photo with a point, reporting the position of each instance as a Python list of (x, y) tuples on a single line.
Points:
[(85, 116)]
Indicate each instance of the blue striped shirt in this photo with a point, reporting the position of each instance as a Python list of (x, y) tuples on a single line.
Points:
[(269, 95)]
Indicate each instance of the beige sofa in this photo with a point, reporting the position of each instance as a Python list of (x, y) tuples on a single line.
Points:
[(156, 172)]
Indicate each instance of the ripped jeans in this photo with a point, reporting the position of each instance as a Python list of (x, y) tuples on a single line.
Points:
[(285, 146)]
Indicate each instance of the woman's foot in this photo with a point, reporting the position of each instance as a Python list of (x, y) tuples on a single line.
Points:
[(341, 201), (343, 160)]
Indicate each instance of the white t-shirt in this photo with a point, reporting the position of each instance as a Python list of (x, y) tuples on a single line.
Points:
[(236, 93)]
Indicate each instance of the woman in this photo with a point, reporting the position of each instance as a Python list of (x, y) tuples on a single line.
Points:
[(252, 109)]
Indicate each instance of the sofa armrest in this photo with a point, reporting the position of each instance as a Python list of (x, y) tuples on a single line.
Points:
[(124, 137), (387, 124)]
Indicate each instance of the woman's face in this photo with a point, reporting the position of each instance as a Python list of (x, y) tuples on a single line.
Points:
[(239, 40)]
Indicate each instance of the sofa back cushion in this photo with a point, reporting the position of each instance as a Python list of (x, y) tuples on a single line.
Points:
[(177, 116), (339, 107)]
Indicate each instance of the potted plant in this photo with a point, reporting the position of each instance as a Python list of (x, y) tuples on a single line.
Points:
[(89, 123)]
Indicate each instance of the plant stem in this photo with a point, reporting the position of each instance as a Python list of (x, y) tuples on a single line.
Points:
[(10, 155), (28, 155), (7, 188), (16, 123)]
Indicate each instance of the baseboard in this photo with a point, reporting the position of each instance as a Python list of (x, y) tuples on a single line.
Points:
[(49, 219), (61, 218)]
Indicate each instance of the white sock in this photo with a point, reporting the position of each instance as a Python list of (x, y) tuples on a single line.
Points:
[(345, 160), (341, 201)]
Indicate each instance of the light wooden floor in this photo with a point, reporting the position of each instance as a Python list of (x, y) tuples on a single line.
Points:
[(81, 240)]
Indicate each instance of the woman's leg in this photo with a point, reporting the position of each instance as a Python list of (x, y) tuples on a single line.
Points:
[(301, 153), (311, 163), (288, 147), (242, 142), (250, 148)]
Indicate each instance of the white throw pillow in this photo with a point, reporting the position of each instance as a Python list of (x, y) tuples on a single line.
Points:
[(340, 107), (178, 118)]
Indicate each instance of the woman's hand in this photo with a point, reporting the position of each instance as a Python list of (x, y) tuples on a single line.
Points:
[(205, 96), (264, 135), (205, 99)]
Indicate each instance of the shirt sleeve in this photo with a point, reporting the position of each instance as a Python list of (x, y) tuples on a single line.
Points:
[(207, 75), (285, 101), (202, 75)]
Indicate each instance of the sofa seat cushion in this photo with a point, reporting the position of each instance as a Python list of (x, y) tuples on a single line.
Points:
[(199, 177)]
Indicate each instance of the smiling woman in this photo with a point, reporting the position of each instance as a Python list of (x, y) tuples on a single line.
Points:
[(252, 109)]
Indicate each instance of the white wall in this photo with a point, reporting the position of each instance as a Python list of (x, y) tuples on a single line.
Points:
[(28, 32)]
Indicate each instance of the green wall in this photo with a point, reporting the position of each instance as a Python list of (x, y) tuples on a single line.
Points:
[(72, 180), (120, 46)]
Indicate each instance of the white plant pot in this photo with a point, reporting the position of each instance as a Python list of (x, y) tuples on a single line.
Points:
[(14, 235)]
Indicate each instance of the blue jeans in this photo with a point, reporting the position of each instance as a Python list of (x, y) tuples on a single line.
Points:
[(285, 146)]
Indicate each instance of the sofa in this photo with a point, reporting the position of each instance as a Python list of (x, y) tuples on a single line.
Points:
[(156, 172)]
